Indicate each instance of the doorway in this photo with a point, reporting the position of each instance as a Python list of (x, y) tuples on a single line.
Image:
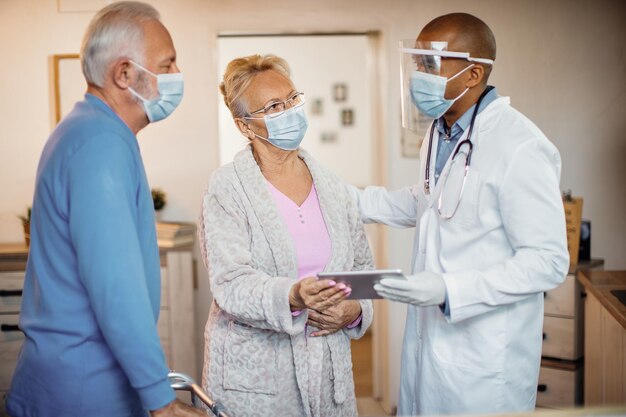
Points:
[(338, 72)]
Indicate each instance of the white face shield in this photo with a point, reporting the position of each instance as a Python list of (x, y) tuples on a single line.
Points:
[(425, 58)]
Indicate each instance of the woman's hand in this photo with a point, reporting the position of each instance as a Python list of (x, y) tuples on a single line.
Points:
[(334, 318), (316, 294)]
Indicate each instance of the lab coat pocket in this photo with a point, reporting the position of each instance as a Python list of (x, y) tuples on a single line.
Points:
[(465, 194), (472, 354), (476, 343), (250, 359)]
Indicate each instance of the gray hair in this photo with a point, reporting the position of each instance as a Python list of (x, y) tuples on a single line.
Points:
[(115, 32)]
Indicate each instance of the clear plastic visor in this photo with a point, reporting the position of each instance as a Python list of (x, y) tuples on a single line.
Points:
[(423, 57), (417, 56)]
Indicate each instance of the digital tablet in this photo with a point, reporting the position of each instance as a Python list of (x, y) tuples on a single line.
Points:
[(362, 282)]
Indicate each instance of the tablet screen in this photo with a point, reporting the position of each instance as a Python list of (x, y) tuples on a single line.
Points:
[(362, 282)]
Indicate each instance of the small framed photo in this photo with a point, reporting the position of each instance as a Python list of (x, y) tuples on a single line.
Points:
[(340, 92), (329, 137), (317, 107), (347, 117)]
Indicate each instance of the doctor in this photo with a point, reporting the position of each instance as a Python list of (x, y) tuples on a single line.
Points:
[(490, 233)]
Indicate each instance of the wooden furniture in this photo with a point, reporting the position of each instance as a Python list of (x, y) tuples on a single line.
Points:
[(561, 374), (12, 266), (605, 338), (176, 319)]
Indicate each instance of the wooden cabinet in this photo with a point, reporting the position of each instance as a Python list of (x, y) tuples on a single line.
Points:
[(12, 266), (561, 374), (176, 320), (605, 340), (559, 384)]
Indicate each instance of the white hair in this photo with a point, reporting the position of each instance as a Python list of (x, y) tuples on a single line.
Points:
[(115, 32)]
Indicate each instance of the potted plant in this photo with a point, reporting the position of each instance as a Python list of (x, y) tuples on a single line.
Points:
[(159, 199), (26, 224)]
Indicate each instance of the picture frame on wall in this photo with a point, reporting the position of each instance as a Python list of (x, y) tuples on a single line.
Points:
[(347, 117), (340, 92), (317, 107), (67, 84)]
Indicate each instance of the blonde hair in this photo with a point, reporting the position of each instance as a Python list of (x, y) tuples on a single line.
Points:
[(239, 74), (115, 32)]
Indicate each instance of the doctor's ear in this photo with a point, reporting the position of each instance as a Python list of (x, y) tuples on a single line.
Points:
[(477, 75)]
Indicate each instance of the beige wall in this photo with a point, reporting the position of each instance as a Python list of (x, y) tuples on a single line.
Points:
[(563, 62)]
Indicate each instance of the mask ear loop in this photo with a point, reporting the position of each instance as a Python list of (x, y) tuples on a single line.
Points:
[(460, 72), (249, 129), (456, 75)]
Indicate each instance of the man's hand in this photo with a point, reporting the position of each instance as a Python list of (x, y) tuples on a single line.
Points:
[(334, 318), (316, 294), (423, 289), (177, 409)]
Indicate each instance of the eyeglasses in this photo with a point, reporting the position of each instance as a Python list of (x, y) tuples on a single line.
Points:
[(278, 107)]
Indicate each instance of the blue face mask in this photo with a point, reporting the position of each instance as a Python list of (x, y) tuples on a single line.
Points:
[(428, 93), (286, 130), (170, 88)]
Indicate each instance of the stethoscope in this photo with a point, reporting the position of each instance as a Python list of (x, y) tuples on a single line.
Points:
[(467, 141)]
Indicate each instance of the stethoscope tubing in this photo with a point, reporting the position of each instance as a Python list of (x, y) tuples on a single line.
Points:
[(467, 140)]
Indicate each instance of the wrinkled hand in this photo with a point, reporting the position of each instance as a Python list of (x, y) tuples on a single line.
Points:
[(177, 409), (334, 318), (424, 289), (316, 294)]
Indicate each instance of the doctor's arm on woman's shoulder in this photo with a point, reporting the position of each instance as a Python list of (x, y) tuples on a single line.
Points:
[(392, 208)]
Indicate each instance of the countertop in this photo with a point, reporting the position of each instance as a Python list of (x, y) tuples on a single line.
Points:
[(600, 283), (13, 256)]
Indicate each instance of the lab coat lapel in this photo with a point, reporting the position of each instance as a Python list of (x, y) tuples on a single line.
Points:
[(437, 189)]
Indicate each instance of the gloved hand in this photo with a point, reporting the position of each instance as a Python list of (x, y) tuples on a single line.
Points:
[(423, 289)]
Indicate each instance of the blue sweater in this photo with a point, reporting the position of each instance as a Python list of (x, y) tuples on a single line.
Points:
[(92, 287)]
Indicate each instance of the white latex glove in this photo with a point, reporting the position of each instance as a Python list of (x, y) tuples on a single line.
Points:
[(423, 289)]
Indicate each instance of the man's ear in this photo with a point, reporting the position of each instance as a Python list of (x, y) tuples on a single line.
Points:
[(122, 74), (477, 74)]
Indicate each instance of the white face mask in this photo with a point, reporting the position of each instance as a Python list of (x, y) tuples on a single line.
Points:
[(428, 93), (170, 88)]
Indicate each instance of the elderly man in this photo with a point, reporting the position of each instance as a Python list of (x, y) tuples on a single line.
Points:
[(92, 288), (490, 233)]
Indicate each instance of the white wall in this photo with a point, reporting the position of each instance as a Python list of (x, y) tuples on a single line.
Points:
[(563, 62)]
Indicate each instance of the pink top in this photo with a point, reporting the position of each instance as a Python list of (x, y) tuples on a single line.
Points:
[(309, 233)]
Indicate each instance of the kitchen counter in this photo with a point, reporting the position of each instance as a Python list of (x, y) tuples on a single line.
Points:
[(600, 284)]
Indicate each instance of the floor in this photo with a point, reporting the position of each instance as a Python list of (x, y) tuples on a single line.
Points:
[(363, 384)]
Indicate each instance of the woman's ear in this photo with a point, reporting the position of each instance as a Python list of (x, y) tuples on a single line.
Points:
[(244, 128)]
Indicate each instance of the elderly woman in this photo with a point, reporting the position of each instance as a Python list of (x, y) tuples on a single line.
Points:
[(277, 338)]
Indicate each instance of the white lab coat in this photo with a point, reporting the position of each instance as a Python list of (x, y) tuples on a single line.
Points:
[(504, 247)]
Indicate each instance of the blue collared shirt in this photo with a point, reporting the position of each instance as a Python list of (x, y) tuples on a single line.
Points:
[(448, 140)]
